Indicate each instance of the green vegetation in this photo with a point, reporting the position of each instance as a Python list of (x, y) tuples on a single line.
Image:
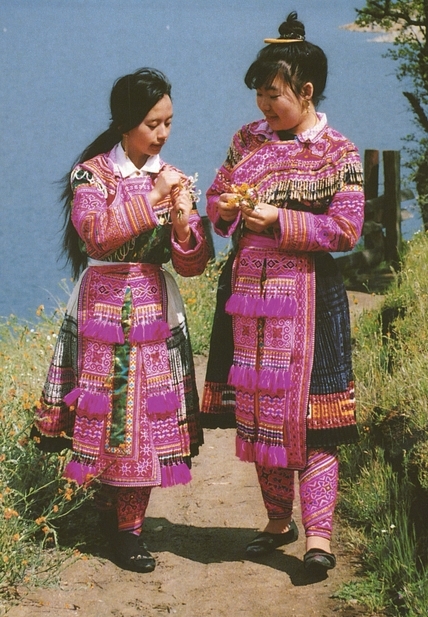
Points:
[(407, 20), (199, 296), (34, 498), (384, 478)]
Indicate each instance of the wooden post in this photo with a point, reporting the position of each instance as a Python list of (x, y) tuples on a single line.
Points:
[(371, 182), (371, 173), (392, 208)]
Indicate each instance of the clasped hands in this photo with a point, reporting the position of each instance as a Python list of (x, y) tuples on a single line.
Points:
[(256, 219)]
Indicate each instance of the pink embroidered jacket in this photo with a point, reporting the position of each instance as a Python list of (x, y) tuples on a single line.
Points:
[(315, 180), (116, 222)]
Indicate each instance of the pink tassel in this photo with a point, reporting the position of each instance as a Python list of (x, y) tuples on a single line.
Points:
[(274, 381), (244, 450), (155, 331), (162, 404), (280, 307), (233, 304), (243, 377), (105, 331), (94, 404), (78, 472), (72, 396), (270, 456), (261, 307), (172, 475), (244, 305)]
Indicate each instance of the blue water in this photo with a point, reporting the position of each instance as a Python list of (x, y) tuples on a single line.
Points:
[(59, 59)]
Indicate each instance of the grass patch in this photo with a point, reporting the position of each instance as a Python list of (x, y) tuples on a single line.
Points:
[(34, 497), (384, 478)]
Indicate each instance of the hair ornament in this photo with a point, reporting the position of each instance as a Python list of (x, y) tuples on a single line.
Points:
[(292, 38)]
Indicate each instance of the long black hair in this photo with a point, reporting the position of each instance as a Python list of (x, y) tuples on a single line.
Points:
[(296, 62), (131, 99)]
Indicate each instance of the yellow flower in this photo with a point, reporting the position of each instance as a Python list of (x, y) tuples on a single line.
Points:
[(68, 493), (245, 195), (40, 520), (9, 513)]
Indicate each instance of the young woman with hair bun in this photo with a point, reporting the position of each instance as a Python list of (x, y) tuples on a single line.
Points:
[(290, 193)]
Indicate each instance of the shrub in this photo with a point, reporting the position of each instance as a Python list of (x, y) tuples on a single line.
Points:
[(384, 477), (34, 496)]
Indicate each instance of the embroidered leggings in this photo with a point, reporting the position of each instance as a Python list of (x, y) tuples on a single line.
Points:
[(129, 503), (318, 491)]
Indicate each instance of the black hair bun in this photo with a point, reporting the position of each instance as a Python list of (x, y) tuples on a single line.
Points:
[(292, 28)]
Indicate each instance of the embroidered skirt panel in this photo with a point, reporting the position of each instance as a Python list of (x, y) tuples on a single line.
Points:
[(128, 397)]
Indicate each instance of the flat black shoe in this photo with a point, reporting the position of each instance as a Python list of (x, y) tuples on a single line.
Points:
[(267, 542), (318, 561), (132, 554)]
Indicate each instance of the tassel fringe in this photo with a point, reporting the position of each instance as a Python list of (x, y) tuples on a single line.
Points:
[(261, 307), (244, 450), (243, 377), (142, 333), (105, 331), (270, 456), (162, 404), (95, 404), (72, 396), (172, 475), (275, 382)]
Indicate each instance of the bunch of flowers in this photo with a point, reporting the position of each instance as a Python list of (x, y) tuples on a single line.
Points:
[(188, 184), (245, 196)]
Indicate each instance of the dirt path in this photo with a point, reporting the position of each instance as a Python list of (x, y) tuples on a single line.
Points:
[(197, 534)]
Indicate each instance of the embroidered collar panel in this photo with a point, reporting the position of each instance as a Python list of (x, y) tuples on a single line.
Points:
[(311, 135)]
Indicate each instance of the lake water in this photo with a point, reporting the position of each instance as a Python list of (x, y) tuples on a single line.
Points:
[(59, 59)]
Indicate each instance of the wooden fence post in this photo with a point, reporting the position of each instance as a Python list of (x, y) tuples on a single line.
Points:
[(371, 180), (392, 208), (371, 173)]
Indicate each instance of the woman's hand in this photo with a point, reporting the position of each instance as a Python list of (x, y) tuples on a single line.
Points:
[(167, 179), (261, 217), (180, 213), (181, 207), (226, 208)]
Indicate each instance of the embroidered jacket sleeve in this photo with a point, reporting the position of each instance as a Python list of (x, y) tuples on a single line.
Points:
[(104, 221), (193, 261), (339, 228)]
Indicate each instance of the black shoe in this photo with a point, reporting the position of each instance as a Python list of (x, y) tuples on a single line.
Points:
[(132, 554), (317, 561), (267, 542)]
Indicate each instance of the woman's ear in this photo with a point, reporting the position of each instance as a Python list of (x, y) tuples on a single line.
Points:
[(307, 91)]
